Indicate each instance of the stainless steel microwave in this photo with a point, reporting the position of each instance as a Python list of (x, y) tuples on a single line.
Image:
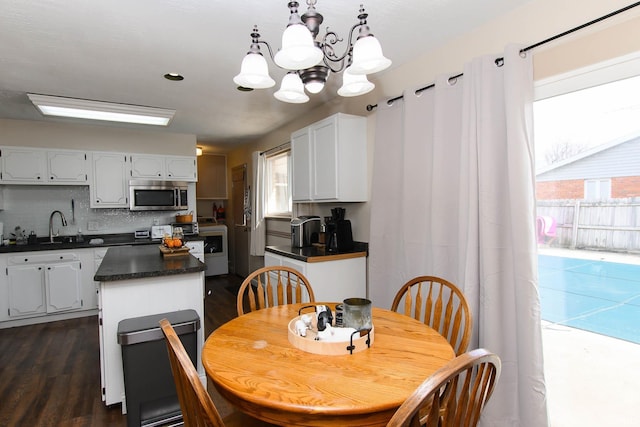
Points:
[(158, 195)]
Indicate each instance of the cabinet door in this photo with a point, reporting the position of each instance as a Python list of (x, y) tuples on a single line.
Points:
[(109, 179), (25, 165), (67, 166), (181, 168), (26, 291), (212, 177), (149, 167), (63, 284), (301, 166), (324, 160)]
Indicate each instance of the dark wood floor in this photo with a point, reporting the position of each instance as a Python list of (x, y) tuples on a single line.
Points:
[(50, 373)]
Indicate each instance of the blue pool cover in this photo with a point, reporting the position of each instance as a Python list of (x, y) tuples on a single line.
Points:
[(597, 296)]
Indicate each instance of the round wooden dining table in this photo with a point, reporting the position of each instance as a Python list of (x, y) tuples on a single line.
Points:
[(254, 366)]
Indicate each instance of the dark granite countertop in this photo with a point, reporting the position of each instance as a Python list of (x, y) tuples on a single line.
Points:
[(69, 242), (135, 262), (318, 254)]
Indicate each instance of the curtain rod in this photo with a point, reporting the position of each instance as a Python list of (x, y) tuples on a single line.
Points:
[(274, 149), (370, 107)]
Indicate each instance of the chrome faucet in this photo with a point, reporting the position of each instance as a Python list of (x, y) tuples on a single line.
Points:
[(64, 224)]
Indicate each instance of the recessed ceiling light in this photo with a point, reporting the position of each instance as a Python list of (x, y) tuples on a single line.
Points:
[(99, 110), (174, 77)]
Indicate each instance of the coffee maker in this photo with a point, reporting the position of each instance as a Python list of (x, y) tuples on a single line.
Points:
[(339, 237)]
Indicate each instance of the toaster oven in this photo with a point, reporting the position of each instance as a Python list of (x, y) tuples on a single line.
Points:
[(188, 228)]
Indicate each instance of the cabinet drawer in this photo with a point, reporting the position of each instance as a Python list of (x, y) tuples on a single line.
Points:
[(39, 258)]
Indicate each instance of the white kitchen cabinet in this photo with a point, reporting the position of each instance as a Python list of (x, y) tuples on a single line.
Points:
[(329, 160), (38, 166), (147, 166), (181, 168), (301, 165), (67, 167), (43, 283), (331, 281), (109, 186), (26, 291), (63, 285)]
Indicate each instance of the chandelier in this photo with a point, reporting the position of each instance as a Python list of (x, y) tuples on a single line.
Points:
[(310, 59)]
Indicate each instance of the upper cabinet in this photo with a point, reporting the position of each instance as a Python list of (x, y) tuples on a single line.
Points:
[(146, 166), (38, 166), (330, 160), (109, 186), (212, 177)]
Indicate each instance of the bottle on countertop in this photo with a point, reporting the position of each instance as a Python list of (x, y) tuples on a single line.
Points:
[(220, 212), (215, 211)]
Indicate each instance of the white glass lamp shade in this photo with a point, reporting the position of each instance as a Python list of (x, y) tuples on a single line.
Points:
[(254, 73), (314, 86), (298, 50), (291, 90), (354, 85), (368, 57)]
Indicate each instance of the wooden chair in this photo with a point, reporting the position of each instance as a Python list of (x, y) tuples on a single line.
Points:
[(439, 304), (197, 407), (286, 284), (454, 395)]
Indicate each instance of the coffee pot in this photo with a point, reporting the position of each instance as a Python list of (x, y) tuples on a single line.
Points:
[(339, 237)]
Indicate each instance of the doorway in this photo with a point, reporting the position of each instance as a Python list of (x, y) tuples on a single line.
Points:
[(589, 262), (241, 227)]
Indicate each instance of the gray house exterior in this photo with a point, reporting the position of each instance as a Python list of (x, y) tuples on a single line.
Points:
[(617, 161)]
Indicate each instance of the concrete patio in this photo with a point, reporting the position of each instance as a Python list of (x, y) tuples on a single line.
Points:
[(592, 379)]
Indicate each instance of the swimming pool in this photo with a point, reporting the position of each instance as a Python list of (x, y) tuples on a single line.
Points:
[(597, 296)]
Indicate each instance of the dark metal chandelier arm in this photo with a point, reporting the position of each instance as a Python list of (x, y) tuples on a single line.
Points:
[(255, 42), (269, 49), (330, 39)]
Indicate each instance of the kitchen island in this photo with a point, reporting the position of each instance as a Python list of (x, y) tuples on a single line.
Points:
[(334, 276), (138, 281)]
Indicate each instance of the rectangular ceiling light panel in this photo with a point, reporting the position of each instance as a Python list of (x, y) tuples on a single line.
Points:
[(98, 110)]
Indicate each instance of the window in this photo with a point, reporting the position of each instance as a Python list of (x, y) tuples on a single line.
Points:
[(278, 184), (597, 189)]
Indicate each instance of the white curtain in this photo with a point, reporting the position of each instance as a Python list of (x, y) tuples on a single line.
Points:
[(258, 225), (457, 200)]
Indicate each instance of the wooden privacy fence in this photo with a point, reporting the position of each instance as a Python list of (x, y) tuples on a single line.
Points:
[(612, 225)]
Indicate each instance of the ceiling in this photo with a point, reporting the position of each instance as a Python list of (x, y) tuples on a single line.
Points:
[(119, 50)]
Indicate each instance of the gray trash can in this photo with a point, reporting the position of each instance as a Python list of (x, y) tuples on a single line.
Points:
[(150, 391)]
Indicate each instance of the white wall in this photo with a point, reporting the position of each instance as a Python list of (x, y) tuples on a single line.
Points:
[(26, 133)]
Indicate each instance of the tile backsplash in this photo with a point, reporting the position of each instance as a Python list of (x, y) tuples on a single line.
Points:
[(29, 207)]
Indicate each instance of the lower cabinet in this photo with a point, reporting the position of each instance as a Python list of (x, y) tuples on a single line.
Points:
[(27, 296), (331, 281), (37, 289), (43, 283)]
